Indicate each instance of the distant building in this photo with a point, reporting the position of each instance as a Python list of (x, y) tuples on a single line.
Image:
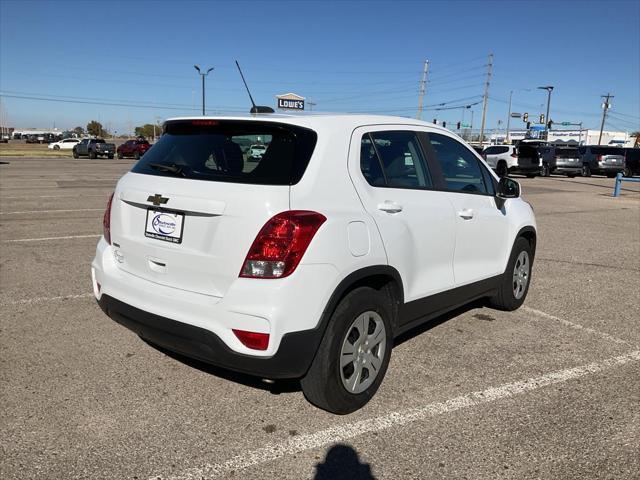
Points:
[(572, 137)]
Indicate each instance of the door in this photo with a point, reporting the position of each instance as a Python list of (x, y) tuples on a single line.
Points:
[(481, 228), (416, 223)]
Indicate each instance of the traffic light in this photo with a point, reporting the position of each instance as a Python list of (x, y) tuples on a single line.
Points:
[(444, 124), (525, 117), (528, 125), (458, 125), (542, 118), (549, 123)]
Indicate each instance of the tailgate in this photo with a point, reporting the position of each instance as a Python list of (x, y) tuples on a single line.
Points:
[(199, 238)]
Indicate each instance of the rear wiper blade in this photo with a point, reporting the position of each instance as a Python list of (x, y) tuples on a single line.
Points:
[(171, 168)]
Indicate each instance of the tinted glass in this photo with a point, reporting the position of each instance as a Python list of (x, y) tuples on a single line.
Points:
[(607, 151), (496, 150), (566, 152), (212, 150), (393, 159), (460, 167)]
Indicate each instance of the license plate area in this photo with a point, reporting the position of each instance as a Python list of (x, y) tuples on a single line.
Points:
[(164, 225)]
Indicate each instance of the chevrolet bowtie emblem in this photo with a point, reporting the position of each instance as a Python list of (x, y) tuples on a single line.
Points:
[(157, 199)]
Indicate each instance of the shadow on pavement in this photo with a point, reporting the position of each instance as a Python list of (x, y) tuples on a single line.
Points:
[(342, 462)]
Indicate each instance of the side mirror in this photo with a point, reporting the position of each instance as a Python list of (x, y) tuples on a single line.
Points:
[(508, 188)]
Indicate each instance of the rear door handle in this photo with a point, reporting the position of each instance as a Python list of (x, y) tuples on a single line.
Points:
[(390, 207), (466, 214)]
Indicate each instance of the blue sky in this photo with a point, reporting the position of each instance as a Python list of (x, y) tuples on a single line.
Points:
[(344, 56)]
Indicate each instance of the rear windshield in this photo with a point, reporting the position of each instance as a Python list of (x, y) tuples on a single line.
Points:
[(98, 140), (496, 150), (219, 151), (566, 152), (607, 151), (527, 151)]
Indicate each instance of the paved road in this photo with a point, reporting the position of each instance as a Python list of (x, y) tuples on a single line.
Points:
[(550, 391)]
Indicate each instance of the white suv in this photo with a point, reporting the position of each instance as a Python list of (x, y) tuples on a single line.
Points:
[(349, 231), (504, 159)]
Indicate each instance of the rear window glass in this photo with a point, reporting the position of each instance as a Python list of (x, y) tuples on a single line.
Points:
[(607, 151), (527, 151), (495, 150), (223, 151), (566, 152)]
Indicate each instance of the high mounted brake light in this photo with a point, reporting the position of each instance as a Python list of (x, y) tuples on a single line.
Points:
[(281, 243), (106, 220), (204, 122)]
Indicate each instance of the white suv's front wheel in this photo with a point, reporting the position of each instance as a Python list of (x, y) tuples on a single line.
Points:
[(515, 282), (354, 354)]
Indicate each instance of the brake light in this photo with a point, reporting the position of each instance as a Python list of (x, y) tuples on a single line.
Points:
[(598, 158), (106, 221), (253, 340), (281, 243), (514, 155)]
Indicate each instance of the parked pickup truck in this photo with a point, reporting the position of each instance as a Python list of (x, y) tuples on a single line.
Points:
[(133, 148), (93, 148)]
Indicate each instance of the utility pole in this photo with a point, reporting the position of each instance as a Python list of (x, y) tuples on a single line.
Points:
[(311, 105), (486, 98), (423, 87), (605, 106), (509, 118)]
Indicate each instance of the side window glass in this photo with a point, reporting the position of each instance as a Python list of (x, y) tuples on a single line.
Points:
[(460, 168), (396, 156)]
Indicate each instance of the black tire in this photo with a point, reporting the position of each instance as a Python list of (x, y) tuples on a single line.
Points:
[(611, 175), (92, 154), (546, 171), (111, 157), (502, 170), (531, 175), (627, 172), (75, 154), (56, 147), (505, 299), (586, 170), (323, 385), (136, 155), (571, 175)]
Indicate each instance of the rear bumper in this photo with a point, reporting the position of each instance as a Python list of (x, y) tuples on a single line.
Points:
[(289, 311), (292, 360), (568, 168)]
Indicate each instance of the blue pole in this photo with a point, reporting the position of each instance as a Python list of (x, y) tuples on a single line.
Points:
[(616, 188)]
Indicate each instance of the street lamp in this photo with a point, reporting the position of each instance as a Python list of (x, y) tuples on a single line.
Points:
[(202, 75), (549, 89)]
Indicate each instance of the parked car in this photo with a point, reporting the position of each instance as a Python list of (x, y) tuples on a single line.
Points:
[(631, 162), (559, 160), (133, 148), (349, 231), (66, 144), (93, 148), (256, 152), (601, 160), (506, 159)]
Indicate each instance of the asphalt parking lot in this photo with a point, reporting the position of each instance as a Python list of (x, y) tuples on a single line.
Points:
[(549, 391)]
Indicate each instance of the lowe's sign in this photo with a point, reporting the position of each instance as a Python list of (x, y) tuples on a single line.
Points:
[(290, 101)]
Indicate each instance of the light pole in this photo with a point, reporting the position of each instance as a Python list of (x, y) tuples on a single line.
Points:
[(202, 75), (549, 89)]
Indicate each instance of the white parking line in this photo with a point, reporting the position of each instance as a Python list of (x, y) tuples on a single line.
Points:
[(54, 211), (350, 430), (45, 239), (577, 326), (31, 301)]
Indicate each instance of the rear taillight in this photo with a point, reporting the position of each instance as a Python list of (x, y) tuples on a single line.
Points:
[(598, 158), (106, 221), (514, 155), (281, 243), (253, 340)]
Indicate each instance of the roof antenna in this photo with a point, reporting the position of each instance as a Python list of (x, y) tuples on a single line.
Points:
[(255, 108)]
